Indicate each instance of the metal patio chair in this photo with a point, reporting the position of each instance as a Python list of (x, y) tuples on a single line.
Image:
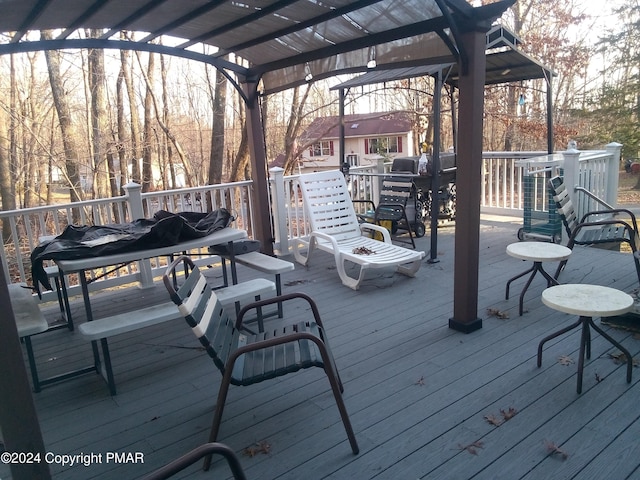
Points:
[(246, 358), (395, 193), (590, 230), (189, 458)]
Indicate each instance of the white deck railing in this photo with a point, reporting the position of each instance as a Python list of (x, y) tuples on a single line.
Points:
[(503, 192), (29, 225)]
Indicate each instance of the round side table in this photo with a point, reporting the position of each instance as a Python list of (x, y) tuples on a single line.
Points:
[(587, 301), (536, 252)]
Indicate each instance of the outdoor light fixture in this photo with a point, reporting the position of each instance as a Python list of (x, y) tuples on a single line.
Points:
[(308, 76), (506, 71), (372, 58)]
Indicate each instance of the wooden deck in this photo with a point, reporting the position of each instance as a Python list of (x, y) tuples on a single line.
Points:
[(420, 395)]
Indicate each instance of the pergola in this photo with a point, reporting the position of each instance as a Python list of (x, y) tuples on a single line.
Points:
[(282, 43), (505, 63)]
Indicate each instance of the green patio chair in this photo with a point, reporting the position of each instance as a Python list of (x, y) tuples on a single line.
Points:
[(246, 358), (590, 230)]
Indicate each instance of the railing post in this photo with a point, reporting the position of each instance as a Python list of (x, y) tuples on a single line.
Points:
[(279, 206), (571, 167), (613, 170), (134, 200), (377, 181)]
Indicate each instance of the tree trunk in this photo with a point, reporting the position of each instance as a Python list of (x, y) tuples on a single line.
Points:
[(219, 102), (7, 193), (98, 118), (292, 153), (63, 110), (147, 136), (135, 175)]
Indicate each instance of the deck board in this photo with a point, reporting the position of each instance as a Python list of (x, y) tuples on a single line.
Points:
[(417, 392)]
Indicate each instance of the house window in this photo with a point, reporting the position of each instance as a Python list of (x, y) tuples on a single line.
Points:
[(323, 148), (383, 145)]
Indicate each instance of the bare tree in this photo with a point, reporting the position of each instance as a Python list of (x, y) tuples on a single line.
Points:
[(151, 101), (65, 120), (99, 123), (219, 101), (136, 174)]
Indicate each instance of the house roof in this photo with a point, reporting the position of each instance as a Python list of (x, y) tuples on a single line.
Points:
[(363, 125), (282, 42)]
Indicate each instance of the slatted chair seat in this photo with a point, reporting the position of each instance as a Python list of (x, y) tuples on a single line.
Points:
[(335, 229), (245, 358), (592, 228)]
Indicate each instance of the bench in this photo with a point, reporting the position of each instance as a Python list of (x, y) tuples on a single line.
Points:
[(29, 321), (103, 328), (263, 263)]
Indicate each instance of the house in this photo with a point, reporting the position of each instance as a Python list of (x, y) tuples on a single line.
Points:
[(367, 138)]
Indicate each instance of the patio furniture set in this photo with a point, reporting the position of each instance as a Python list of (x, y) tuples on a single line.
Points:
[(244, 356), (586, 301)]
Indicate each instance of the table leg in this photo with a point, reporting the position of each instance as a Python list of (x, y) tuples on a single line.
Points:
[(585, 346), (618, 346), (554, 335), (506, 296), (585, 343)]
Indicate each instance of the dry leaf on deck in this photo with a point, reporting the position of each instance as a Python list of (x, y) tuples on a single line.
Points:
[(620, 357), (555, 450), (260, 447), (565, 360), (472, 448), (494, 312), (508, 414), (493, 420)]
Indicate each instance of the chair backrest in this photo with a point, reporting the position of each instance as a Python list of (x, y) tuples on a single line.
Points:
[(328, 204), (564, 206), (203, 312), (402, 164), (395, 190)]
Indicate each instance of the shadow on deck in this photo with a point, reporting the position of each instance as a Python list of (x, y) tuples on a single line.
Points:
[(425, 401)]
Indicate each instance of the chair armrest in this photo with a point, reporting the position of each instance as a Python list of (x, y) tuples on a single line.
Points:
[(366, 202), (377, 228), (363, 217), (280, 298), (625, 225), (614, 211)]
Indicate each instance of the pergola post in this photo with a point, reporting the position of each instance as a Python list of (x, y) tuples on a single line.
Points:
[(468, 184), (18, 416), (257, 152)]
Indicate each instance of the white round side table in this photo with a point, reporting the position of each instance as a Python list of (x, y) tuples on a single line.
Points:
[(587, 301), (537, 252)]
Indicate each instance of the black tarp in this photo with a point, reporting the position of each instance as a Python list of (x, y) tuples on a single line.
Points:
[(165, 229)]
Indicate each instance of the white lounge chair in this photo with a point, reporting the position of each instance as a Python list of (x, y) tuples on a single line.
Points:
[(335, 229)]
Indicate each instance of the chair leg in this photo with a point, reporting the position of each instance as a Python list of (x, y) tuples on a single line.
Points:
[(217, 416), (335, 387), (559, 269), (636, 260), (331, 372)]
